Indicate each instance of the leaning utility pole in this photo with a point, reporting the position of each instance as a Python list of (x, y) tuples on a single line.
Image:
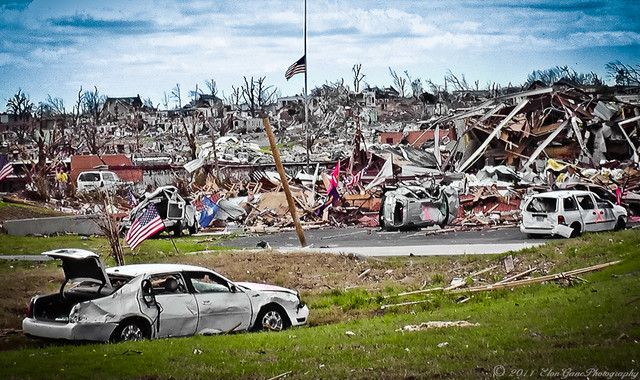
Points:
[(285, 183), (306, 100)]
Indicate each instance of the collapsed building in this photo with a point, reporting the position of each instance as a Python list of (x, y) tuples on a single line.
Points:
[(492, 153)]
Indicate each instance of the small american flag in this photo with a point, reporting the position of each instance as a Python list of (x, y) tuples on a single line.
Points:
[(146, 225), (298, 67), (131, 199), (357, 177), (215, 197), (5, 167)]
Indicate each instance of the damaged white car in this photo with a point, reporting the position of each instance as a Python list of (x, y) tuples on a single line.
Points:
[(177, 213), (569, 213), (147, 301), (415, 206)]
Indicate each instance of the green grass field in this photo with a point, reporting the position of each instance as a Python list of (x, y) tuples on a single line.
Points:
[(586, 329)]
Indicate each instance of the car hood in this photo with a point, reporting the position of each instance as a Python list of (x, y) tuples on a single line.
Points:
[(264, 287), (81, 265)]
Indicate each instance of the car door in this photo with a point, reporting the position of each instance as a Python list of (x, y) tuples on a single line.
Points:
[(222, 307), (592, 217), (179, 311), (605, 208), (109, 180)]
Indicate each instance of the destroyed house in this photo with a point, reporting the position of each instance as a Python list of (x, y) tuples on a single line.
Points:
[(120, 108), (560, 122)]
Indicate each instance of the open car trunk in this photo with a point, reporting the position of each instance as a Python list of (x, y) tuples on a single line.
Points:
[(79, 266), (55, 308)]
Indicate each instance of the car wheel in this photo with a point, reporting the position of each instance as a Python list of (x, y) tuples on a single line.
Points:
[(576, 230), (620, 224), (272, 318), (129, 331), (193, 229), (177, 229)]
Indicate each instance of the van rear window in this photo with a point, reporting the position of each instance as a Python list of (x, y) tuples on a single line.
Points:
[(89, 177), (540, 204)]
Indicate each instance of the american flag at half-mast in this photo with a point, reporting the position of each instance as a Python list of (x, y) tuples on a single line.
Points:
[(146, 225), (298, 67), (5, 167)]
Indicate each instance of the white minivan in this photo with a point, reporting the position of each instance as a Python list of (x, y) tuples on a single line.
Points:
[(568, 213), (92, 180)]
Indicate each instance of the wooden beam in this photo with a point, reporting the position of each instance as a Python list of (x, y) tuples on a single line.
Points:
[(284, 182)]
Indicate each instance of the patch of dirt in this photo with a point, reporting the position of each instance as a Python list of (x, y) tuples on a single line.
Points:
[(308, 271)]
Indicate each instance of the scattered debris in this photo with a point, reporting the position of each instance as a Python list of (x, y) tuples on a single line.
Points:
[(437, 324)]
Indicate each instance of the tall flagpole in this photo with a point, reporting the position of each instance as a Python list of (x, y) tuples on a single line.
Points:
[(306, 103)]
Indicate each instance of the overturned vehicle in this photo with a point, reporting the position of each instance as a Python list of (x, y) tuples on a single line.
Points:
[(177, 213), (147, 301), (415, 206)]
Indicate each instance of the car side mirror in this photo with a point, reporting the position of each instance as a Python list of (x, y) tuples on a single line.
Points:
[(233, 288), (147, 293)]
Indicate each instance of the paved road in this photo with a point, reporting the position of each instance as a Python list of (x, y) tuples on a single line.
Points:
[(372, 242)]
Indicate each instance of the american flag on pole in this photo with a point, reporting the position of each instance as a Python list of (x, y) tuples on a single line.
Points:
[(131, 199), (357, 177), (5, 167), (298, 67), (146, 225)]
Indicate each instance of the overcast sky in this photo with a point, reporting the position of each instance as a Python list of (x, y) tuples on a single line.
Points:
[(146, 47)]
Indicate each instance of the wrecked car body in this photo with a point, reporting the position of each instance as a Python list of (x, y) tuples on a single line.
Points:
[(414, 206), (569, 213), (176, 212), (148, 301)]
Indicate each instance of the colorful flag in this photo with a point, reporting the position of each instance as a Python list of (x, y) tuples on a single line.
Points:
[(209, 210), (334, 178), (5, 167), (332, 192), (332, 196), (146, 225), (298, 67), (131, 199)]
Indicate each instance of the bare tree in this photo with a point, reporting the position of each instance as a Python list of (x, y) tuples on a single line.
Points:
[(191, 137), (21, 107), (234, 97), (165, 101), (416, 85), (54, 106), (195, 94), (562, 73), (358, 77), (257, 94), (457, 83), (264, 94), (435, 88), (212, 86), (77, 109), (623, 75), (175, 94), (92, 105), (148, 103), (249, 94), (399, 81)]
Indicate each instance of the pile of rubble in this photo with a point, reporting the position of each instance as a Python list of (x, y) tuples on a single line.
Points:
[(494, 154)]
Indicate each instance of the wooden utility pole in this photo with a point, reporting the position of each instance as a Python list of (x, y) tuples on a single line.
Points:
[(285, 183)]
